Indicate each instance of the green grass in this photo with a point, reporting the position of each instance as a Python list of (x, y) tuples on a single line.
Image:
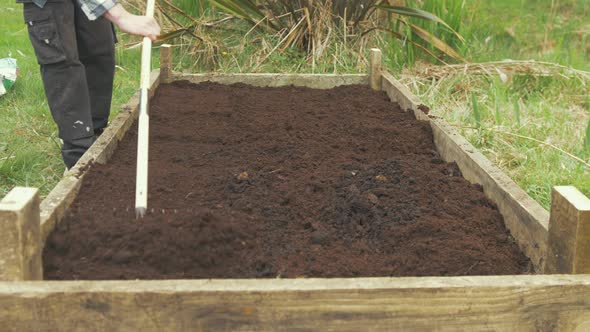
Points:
[(29, 145), (29, 151), (503, 119), (452, 12), (529, 29), (506, 120), (510, 118), (193, 8)]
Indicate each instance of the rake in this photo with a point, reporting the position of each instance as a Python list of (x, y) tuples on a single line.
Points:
[(141, 182)]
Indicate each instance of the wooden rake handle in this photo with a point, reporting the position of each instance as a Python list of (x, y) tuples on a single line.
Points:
[(141, 183)]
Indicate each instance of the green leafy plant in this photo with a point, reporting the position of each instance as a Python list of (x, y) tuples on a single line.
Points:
[(193, 8), (309, 24)]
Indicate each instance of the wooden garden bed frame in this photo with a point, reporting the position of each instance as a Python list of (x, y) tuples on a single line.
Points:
[(557, 243)]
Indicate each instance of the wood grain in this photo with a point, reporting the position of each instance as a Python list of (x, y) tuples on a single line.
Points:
[(375, 69), (400, 94), (166, 63), (569, 232), (513, 303), (314, 81), (20, 248)]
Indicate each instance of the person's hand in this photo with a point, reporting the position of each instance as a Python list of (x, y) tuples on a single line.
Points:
[(133, 24)]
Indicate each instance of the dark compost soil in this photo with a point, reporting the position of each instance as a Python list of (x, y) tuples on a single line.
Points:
[(250, 182)]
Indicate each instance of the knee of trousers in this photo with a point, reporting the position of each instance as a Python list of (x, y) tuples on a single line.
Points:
[(78, 143)]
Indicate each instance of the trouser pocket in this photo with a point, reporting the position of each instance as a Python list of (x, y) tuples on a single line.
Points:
[(43, 34)]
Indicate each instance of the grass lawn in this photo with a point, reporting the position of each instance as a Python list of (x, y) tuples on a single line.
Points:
[(29, 145), (520, 123), (29, 151), (525, 119)]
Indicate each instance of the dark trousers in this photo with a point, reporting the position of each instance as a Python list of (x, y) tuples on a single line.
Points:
[(77, 60)]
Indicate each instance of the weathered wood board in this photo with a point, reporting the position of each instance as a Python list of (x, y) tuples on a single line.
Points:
[(20, 248), (314, 81), (375, 70), (515, 303), (569, 232)]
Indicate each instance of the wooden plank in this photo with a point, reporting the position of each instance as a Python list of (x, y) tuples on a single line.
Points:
[(54, 206), (524, 217), (166, 63), (315, 81), (143, 123), (20, 248), (375, 69), (399, 93), (510, 303), (569, 232)]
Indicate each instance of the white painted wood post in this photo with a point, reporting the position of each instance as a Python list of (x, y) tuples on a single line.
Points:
[(20, 245), (166, 63), (568, 249), (143, 126), (375, 69)]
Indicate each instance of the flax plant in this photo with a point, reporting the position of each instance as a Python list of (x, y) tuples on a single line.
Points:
[(305, 23)]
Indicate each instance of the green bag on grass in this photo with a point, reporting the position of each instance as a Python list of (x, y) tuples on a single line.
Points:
[(8, 74)]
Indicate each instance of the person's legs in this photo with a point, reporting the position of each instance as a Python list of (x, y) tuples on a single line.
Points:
[(96, 49), (53, 35)]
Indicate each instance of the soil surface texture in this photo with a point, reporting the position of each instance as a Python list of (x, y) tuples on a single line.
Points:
[(289, 182)]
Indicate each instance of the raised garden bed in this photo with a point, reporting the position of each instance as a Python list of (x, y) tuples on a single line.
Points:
[(252, 182), (308, 183)]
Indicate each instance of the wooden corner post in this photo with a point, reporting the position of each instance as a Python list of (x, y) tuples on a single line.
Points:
[(568, 249), (166, 63), (20, 246), (375, 69)]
